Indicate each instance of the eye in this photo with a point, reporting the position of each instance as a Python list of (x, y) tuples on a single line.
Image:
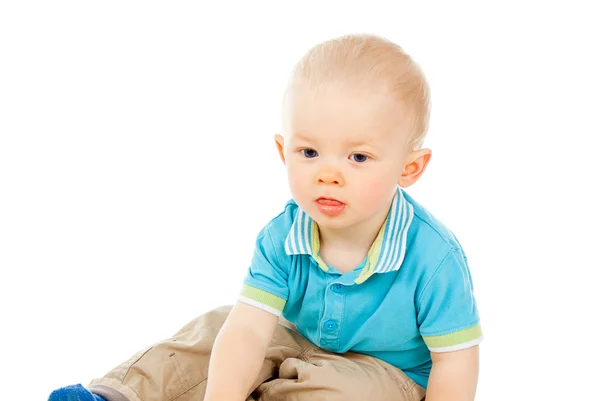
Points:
[(309, 153), (359, 157)]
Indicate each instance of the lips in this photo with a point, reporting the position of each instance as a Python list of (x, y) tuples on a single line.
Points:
[(329, 202), (330, 206)]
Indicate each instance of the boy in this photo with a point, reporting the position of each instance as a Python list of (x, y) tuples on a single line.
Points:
[(378, 290)]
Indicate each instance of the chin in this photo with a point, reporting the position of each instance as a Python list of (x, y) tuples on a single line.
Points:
[(334, 222)]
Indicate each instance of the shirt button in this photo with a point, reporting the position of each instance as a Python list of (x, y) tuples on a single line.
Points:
[(330, 325), (337, 288)]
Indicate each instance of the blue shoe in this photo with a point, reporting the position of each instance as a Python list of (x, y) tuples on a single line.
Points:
[(74, 393)]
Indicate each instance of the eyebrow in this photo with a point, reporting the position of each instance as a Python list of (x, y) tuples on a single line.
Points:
[(301, 137), (353, 144), (356, 144)]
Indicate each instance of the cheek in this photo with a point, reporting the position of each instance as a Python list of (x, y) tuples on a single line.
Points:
[(377, 193), (376, 189), (296, 178)]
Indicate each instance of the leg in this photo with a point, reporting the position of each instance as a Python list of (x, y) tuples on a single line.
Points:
[(319, 375), (166, 370), (177, 369)]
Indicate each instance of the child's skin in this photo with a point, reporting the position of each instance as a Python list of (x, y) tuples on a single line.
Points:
[(352, 146)]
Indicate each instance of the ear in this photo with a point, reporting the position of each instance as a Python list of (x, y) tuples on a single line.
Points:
[(415, 167), (279, 143)]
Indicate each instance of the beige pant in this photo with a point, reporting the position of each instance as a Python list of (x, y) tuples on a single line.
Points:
[(294, 370)]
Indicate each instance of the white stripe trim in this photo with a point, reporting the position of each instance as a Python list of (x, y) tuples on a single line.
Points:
[(298, 240), (264, 307), (290, 241), (458, 347), (386, 239), (307, 236), (396, 241), (393, 240), (400, 250), (294, 240), (299, 229)]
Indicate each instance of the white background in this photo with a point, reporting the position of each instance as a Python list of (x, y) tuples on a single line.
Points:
[(137, 165)]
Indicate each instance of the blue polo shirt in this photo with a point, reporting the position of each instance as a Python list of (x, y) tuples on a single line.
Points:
[(412, 293)]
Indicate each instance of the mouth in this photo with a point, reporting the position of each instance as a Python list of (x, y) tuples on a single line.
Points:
[(329, 201), (330, 206)]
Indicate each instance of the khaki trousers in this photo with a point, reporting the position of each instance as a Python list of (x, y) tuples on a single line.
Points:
[(293, 370)]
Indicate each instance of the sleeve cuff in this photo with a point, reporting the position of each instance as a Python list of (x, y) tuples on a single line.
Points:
[(455, 341), (262, 300)]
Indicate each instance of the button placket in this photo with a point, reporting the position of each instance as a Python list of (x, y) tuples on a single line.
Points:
[(332, 317)]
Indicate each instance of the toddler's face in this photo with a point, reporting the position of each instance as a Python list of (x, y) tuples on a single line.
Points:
[(344, 155)]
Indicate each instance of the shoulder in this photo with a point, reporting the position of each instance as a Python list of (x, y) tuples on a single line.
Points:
[(430, 243), (279, 227), (273, 235), (426, 225)]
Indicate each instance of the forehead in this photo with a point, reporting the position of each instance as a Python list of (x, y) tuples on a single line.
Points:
[(342, 116)]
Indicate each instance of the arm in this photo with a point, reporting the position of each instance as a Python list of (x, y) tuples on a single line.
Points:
[(238, 353), (454, 375), (450, 326)]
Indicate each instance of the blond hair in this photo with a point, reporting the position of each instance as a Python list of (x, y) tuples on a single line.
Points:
[(368, 63)]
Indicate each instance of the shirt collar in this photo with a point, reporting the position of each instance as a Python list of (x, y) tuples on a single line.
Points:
[(386, 253)]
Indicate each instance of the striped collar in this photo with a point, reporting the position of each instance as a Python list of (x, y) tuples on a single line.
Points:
[(386, 253)]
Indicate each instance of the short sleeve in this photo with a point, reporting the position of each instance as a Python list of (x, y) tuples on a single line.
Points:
[(447, 311), (266, 283)]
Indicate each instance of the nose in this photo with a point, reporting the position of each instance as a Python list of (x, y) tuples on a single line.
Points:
[(330, 175)]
